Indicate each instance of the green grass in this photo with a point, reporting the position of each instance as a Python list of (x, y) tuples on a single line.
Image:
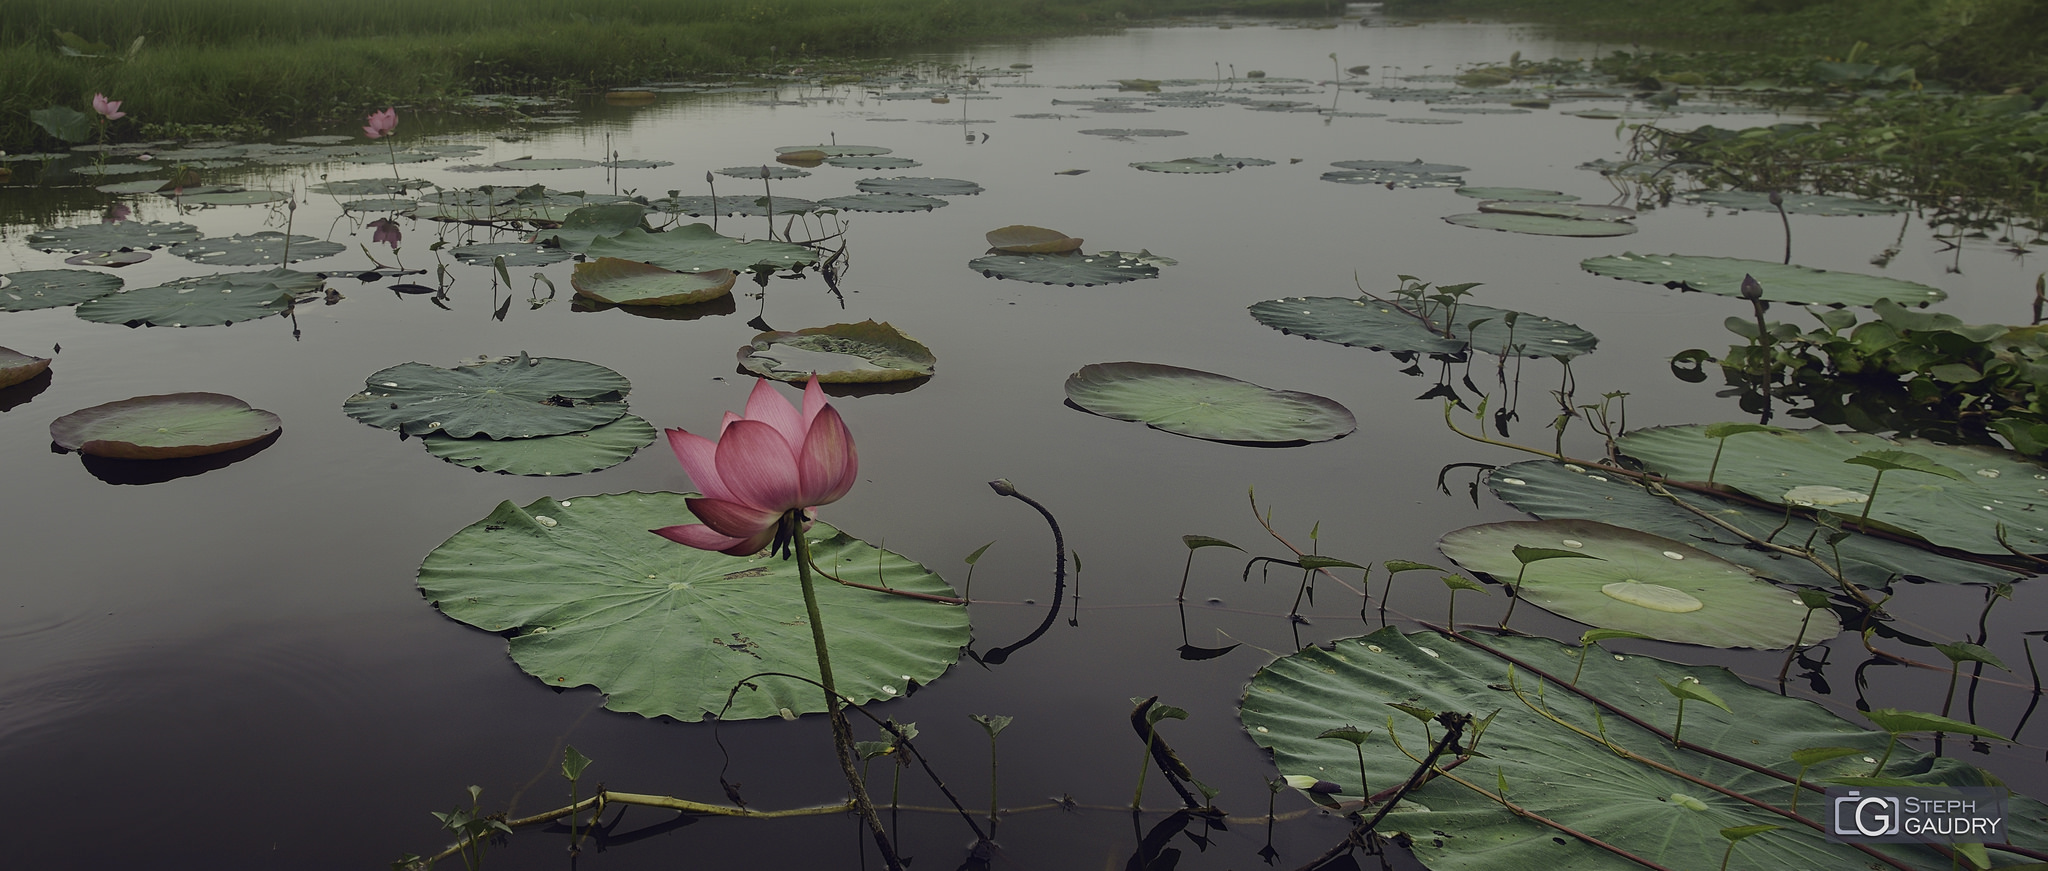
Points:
[(290, 64)]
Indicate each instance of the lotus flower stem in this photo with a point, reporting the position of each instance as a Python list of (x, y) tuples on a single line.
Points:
[(842, 734), (771, 202)]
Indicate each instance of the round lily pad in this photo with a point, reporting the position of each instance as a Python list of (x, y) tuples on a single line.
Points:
[(109, 259), (1025, 239), (1416, 166), (1069, 269), (164, 427), (1540, 225), (1394, 178), (862, 353), (202, 301), (882, 203), (234, 198), (872, 162), (1797, 204), (363, 187), (1781, 282), (16, 367), (1515, 195), (567, 454), (518, 397), (379, 204), (1205, 405), (545, 163), (1581, 211), (698, 248), (113, 236), (730, 205), (927, 187), (757, 172), (255, 249), (1127, 133), (1378, 324), (1619, 578), (515, 254), (589, 597), (50, 288), (138, 186), (1185, 166), (836, 150), (630, 282)]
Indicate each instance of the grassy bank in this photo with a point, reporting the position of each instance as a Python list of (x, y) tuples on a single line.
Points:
[(1989, 45), (286, 64)]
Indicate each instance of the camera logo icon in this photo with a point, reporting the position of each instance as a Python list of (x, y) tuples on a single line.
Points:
[(1870, 816)]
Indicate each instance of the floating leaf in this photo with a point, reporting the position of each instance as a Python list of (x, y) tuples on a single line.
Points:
[(515, 254), (761, 172), (113, 236), (1908, 461), (882, 203), (1515, 195), (698, 248), (1370, 323), (1069, 269), (1581, 211), (358, 187), (862, 353), (234, 196), (16, 367), (1185, 165), (1781, 283), (1540, 225), (539, 163), (581, 227), (1127, 133), (568, 454), (836, 150), (1023, 239), (1899, 722), (630, 282), (1637, 581), (164, 427), (1205, 405), (520, 397), (590, 597), (927, 187), (730, 206), (856, 161), (50, 288), (266, 248), (202, 301)]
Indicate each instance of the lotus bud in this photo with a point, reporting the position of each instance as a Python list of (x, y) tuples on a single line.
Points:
[(1777, 199), (1751, 290), (1003, 487)]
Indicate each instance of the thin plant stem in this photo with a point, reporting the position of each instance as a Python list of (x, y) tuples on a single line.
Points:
[(1144, 768), (842, 734)]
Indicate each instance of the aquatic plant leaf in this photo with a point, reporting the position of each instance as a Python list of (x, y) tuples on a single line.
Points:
[(862, 353), (1127, 133), (1070, 269), (50, 288), (1997, 487), (733, 206), (1902, 722), (585, 225), (113, 236), (882, 203), (164, 427), (925, 187), (1024, 239), (1797, 204), (1410, 166), (1540, 225), (1205, 405), (16, 367), (1515, 195), (545, 163), (1639, 582), (630, 282), (515, 254), (518, 397), (1581, 211), (860, 161), (1781, 283), (1555, 491), (698, 248), (1369, 323), (1563, 776), (233, 197), (759, 172), (266, 248), (358, 187), (1185, 166), (836, 150), (590, 597), (567, 454), (202, 301)]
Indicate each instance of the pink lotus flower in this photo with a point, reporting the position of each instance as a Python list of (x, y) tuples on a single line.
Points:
[(381, 124), (108, 109), (766, 472), (387, 231)]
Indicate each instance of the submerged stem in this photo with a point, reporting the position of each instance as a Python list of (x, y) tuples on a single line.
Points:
[(842, 734)]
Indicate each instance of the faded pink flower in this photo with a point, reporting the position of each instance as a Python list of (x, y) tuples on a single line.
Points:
[(381, 124), (772, 462), (387, 231), (108, 109), (116, 213)]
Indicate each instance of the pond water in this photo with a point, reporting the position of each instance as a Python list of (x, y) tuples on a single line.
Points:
[(236, 669)]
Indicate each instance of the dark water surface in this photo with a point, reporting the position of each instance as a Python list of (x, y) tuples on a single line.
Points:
[(234, 669)]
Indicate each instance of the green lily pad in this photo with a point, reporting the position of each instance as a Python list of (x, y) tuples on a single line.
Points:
[(1408, 166), (581, 227), (1797, 204), (1205, 405), (50, 288), (515, 254), (759, 172), (882, 203), (1999, 488), (1581, 211), (1393, 178), (1185, 166), (1516, 195), (859, 161), (862, 353), (567, 454), (590, 597), (255, 249), (1640, 582), (698, 248), (837, 150), (733, 206), (925, 187), (1026, 239), (1369, 323), (113, 236), (202, 301), (630, 282), (137, 186), (509, 398), (1540, 225), (363, 187), (236, 197), (1069, 269), (1564, 776), (16, 367), (164, 427), (380, 204), (1556, 491), (538, 163), (1781, 283), (1128, 133)]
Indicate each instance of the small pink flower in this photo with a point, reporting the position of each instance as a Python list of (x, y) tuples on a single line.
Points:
[(387, 232), (381, 124), (108, 109), (772, 461), (116, 213)]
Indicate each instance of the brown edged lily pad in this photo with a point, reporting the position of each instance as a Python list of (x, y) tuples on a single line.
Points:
[(164, 427), (631, 282), (16, 367), (862, 353), (1025, 239)]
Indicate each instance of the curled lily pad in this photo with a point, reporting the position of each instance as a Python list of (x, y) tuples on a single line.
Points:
[(1781, 283), (1206, 405), (16, 367), (698, 248), (202, 301), (1025, 239), (1381, 325), (1797, 204), (255, 249), (590, 597), (1516, 195), (50, 288), (882, 203), (1416, 166), (113, 236), (836, 150), (862, 353), (758, 172), (926, 187), (567, 454), (233, 197), (579, 228), (545, 163), (1185, 166), (518, 397), (1636, 581), (164, 427), (860, 161), (1540, 225), (1582, 211), (515, 254), (1069, 269), (630, 282)]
